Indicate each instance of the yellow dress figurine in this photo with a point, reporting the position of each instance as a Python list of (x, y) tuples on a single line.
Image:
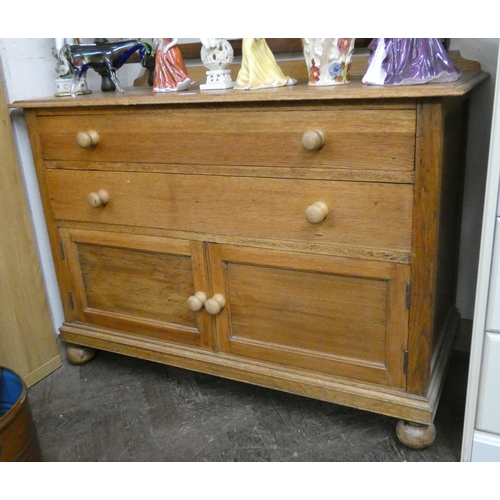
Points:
[(259, 69)]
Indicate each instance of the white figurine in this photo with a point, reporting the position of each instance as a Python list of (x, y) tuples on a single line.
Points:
[(62, 66), (216, 55), (328, 60), (64, 74)]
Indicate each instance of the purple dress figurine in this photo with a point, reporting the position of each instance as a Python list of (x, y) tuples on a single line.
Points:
[(409, 61)]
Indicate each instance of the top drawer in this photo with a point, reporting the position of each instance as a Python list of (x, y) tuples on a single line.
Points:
[(373, 139)]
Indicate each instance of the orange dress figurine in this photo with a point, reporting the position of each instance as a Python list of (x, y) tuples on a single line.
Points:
[(170, 71)]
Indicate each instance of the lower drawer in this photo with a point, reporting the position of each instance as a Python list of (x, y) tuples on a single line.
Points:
[(367, 215)]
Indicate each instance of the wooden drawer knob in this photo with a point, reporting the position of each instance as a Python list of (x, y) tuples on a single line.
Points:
[(215, 305), (99, 199), (87, 140), (313, 140), (196, 301), (317, 212)]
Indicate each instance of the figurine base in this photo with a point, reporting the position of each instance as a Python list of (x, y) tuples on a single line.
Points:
[(219, 79), (217, 86), (288, 83), (63, 87), (328, 83), (184, 85)]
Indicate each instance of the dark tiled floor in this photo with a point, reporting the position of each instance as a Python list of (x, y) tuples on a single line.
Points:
[(117, 408)]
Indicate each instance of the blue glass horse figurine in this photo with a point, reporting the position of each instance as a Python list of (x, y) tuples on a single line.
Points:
[(109, 56)]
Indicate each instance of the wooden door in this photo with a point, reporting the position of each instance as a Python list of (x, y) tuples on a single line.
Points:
[(27, 339), (329, 315), (137, 285)]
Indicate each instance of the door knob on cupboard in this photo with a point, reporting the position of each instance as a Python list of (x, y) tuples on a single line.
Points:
[(87, 140), (313, 140), (197, 301), (215, 305), (98, 199), (317, 212)]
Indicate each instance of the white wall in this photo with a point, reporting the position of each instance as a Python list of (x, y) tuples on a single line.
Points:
[(28, 67)]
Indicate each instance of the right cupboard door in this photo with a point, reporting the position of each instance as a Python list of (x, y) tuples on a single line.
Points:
[(329, 315)]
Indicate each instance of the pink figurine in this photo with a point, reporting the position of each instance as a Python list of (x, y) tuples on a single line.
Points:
[(170, 71)]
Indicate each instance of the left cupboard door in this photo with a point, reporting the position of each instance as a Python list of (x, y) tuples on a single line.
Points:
[(137, 285)]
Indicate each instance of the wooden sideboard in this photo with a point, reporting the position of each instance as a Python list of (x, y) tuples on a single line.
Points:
[(303, 239)]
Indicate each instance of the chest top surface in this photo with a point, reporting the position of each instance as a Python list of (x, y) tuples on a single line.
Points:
[(471, 76)]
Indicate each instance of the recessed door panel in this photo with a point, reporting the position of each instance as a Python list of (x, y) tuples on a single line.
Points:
[(138, 284), (330, 315)]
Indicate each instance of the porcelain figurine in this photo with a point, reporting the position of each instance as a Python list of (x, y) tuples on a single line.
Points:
[(409, 61), (328, 60), (216, 55), (63, 70), (171, 74), (259, 69), (62, 67), (110, 56)]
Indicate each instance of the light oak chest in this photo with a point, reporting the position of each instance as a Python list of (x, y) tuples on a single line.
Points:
[(300, 239)]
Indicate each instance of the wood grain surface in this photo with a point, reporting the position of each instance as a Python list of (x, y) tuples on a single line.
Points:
[(208, 192), (27, 339)]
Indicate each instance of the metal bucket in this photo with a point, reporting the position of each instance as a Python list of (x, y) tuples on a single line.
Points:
[(18, 437)]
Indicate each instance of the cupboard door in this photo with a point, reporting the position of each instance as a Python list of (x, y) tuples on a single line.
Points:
[(329, 315), (137, 284)]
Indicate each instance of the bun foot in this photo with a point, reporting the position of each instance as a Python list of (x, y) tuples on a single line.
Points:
[(79, 355), (416, 436)]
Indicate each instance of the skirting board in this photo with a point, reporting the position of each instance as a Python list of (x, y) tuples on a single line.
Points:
[(43, 371), (485, 447)]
